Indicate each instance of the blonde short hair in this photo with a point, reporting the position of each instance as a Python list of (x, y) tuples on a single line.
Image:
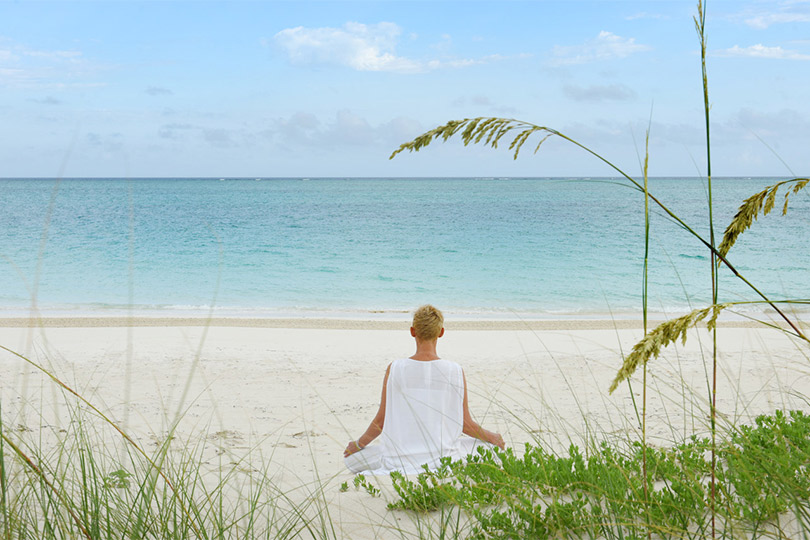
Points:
[(428, 322)]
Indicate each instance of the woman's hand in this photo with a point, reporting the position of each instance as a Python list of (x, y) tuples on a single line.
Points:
[(351, 448)]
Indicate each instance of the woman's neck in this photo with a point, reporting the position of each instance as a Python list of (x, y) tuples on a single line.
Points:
[(425, 351)]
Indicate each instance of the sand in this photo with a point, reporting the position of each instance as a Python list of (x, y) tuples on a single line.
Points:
[(285, 396)]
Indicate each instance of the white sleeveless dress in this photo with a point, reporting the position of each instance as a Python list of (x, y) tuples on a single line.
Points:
[(424, 417)]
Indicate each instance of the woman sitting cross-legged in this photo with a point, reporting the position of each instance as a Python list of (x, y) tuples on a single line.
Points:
[(423, 414)]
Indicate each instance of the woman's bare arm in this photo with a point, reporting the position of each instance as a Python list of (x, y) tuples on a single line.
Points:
[(472, 428), (376, 426)]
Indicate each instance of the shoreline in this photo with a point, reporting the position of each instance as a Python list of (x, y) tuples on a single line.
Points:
[(320, 323)]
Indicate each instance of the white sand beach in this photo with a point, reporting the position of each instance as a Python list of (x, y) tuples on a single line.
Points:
[(285, 396)]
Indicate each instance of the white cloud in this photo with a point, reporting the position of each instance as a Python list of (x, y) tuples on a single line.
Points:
[(358, 46), (764, 21), (605, 46), (764, 14), (21, 66), (363, 47), (11, 74), (761, 51)]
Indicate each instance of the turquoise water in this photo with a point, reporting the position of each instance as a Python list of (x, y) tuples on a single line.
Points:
[(343, 247)]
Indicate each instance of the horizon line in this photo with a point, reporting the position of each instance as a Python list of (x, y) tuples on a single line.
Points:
[(376, 177)]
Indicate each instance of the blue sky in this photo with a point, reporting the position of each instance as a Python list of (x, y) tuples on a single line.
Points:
[(185, 88)]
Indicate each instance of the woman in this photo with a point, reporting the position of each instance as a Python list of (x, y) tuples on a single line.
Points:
[(423, 414)]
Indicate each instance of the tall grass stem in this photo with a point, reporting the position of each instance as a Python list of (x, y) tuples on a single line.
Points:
[(700, 23)]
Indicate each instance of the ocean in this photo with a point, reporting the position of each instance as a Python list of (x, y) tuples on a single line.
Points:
[(360, 247)]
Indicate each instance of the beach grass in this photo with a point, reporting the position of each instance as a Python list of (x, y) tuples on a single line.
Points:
[(87, 482)]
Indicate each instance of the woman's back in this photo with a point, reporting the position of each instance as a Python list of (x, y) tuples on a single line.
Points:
[(424, 412)]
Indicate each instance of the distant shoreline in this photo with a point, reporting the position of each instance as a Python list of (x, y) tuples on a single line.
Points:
[(255, 178), (339, 324)]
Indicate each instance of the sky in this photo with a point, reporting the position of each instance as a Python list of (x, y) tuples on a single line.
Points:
[(310, 89)]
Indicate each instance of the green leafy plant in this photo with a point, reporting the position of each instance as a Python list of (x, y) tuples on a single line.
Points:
[(361, 482), (118, 479), (761, 470)]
